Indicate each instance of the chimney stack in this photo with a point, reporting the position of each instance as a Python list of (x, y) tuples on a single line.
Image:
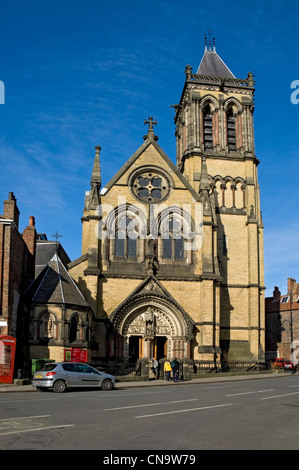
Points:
[(276, 293), (11, 210)]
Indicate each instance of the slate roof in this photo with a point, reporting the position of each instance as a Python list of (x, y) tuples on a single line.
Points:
[(55, 285), (273, 305), (213, 66), (45, 250)]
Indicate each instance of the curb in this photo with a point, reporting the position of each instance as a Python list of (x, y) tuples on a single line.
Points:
[(15, 387)]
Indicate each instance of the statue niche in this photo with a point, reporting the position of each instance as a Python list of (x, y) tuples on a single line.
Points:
[(47, 327)]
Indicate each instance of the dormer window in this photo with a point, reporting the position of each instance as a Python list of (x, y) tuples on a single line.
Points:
[(208, 127)]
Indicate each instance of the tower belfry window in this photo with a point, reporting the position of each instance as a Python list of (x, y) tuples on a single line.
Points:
[(231, 130), (207, 128)]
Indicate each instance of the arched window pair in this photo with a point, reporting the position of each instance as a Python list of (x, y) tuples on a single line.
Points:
[(127, 238), (208, 128)]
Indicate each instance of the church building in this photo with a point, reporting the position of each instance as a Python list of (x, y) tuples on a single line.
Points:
[(172, 254)]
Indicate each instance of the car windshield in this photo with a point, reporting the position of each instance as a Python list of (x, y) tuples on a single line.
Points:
[(49, 366)]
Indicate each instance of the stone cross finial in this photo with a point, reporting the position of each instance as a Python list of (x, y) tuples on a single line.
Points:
[(56, 236), (150, 122)]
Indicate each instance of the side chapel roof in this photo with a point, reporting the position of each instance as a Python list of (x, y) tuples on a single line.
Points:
[(55, 285)]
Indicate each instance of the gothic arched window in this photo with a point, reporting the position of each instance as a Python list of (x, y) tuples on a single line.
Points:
[(172, 237), (125, 230), (231, 129), (207, 127), (173, 241), (74, 324), (177, 236), (125, 237)]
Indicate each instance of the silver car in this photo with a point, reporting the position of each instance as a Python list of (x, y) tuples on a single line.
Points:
[(62, 375)]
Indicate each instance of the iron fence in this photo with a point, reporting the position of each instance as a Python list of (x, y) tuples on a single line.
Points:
[(188, 368), (222, 367)]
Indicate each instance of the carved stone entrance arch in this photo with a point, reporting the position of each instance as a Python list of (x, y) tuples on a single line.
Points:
[(149, 317)]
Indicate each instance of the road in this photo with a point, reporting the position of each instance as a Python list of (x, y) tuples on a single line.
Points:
[(257, 414)]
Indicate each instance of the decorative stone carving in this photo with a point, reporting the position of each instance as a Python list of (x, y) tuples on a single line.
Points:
[(48, 327), (152, 322)]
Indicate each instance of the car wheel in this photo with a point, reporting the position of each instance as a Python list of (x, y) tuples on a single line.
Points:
[(59, 386), (107, 384)]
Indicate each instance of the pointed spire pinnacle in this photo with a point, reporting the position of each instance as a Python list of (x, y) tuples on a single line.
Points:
[(204, 177), (204, 189), (95, 182), (96, 172)]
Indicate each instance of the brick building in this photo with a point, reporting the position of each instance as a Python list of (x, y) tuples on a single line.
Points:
[(17, 267), (41, 306), (282, 322)]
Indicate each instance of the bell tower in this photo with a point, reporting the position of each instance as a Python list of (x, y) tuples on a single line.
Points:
[(215, 114), (215, 137)]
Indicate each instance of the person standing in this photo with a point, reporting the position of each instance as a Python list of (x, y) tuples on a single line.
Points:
[(167, 369), (155, 368), (175, 369)]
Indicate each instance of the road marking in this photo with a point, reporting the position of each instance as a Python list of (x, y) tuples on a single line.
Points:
[(184, 411), (35, 400), (26, 424), (149, 404), (36, 429), (278, 396), (11, 401), (248, 393), (24, 417)]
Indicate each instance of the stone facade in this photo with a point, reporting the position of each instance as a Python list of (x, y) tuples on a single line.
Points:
[(172, 255)]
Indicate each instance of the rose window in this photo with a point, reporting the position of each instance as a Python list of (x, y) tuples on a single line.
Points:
[(150, 186)]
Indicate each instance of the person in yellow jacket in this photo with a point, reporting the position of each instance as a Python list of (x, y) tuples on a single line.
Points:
[(167, 369)]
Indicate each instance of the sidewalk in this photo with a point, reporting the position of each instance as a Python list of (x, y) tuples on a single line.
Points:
[(135, 384)]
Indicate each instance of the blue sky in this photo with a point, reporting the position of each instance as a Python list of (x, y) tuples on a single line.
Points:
[(84, 73)]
